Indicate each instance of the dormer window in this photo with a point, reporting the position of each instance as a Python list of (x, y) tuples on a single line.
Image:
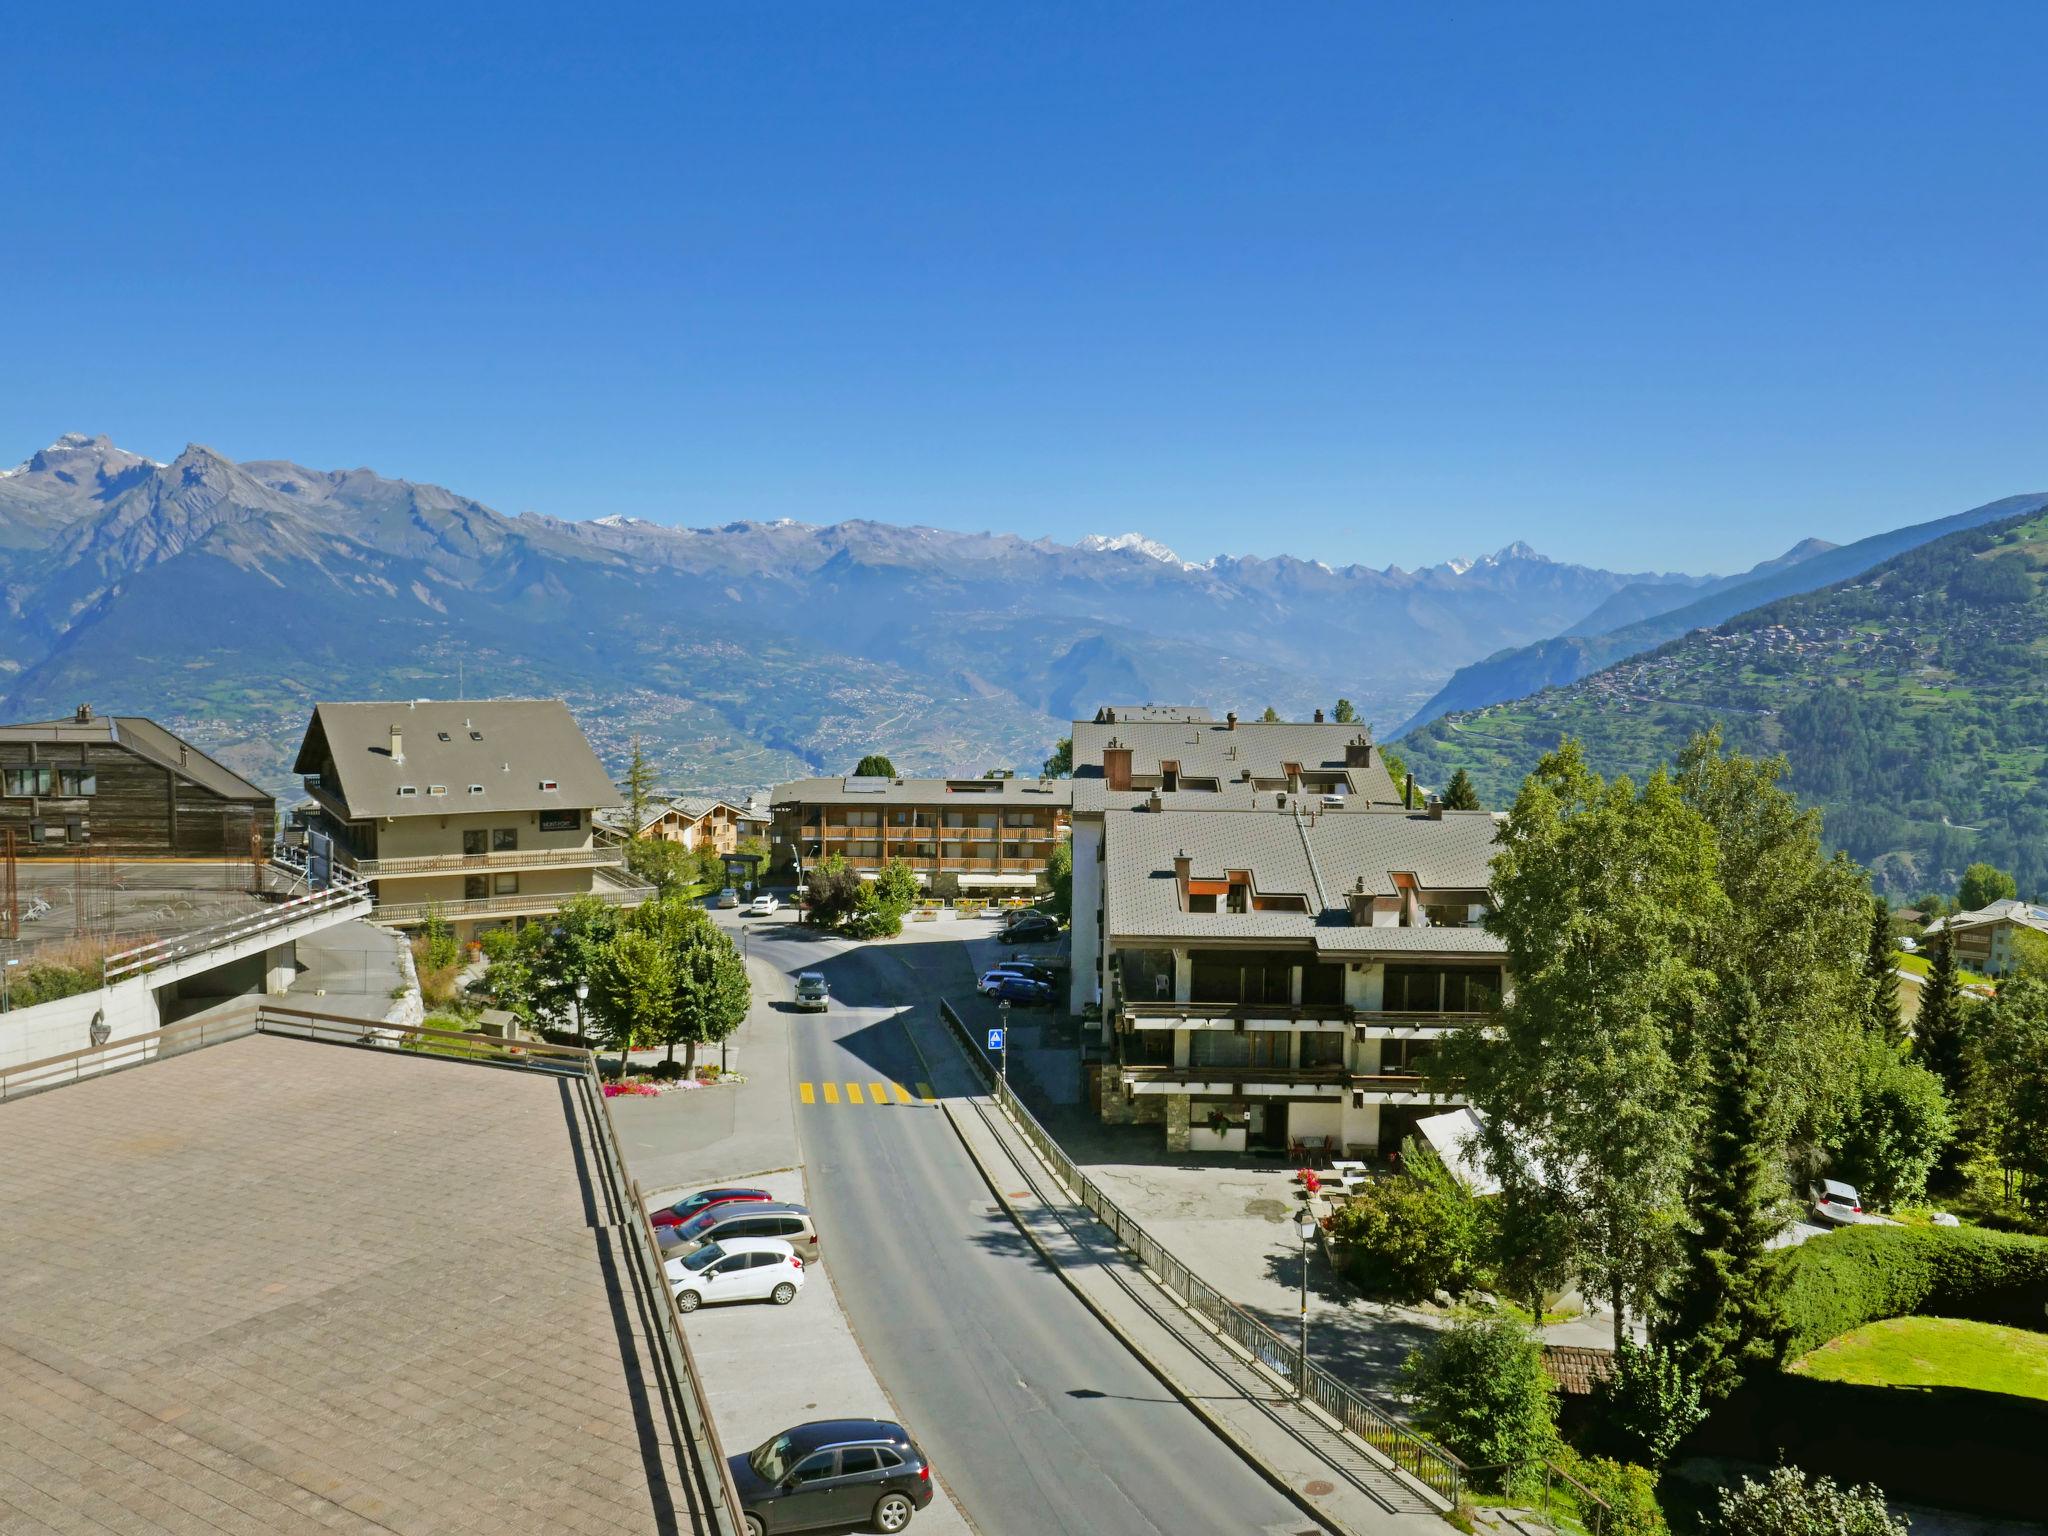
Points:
[(476, 735), (548, 786), (437, 789), (442, 734), (476, 789), (405, 790)]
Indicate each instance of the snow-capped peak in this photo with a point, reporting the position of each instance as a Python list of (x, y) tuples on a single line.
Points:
[(619, 520), (1137, 544), (1459, 567)]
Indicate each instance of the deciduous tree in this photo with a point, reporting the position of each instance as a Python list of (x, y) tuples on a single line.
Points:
[(1271, 716), (1059, 875), (1981, 885), (876, 766), (1061, 764)]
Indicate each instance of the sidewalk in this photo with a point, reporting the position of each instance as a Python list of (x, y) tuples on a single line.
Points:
[(1297, 1449)]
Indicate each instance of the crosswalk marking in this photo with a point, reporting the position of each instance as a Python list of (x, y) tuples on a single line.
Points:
[(884, 1094)]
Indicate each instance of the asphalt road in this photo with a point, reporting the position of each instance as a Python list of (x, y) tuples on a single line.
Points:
[(1037, 1418)]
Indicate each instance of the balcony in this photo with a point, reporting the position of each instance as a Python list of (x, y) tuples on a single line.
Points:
[(1394, 1025), (456, 863), (1239, 1082), (1403, 1088), (1304, 1016), (505, 906)]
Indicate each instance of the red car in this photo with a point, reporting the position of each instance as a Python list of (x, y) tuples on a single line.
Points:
[(702, 1201)]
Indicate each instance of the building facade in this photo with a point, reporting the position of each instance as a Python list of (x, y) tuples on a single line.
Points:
[(1278, 974), (482, 811), (971, 837), (1986, 940), (122, 786)]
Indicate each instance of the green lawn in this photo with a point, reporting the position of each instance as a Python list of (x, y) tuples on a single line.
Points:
[(1934, 1352)]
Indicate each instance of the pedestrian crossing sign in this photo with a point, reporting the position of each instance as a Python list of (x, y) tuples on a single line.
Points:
[(995, 1039)]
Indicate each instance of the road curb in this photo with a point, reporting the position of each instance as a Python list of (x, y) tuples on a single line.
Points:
[(1251, 1458)]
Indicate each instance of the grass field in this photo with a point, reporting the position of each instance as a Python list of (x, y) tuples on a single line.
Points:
[(1934, 1352)]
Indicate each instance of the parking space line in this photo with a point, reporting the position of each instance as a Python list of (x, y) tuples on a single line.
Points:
[(831, 1093), (805, 1092), (878, 1093), (853, 1094)]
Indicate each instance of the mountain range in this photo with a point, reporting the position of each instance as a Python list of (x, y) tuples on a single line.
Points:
[(225, 598), (1910, 701)]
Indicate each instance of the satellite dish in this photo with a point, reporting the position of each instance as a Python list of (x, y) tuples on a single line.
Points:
[(101, 1031)]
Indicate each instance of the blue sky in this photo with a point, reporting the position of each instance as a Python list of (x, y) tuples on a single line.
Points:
[(1648, 286)]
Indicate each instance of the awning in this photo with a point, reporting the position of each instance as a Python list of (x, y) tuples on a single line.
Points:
[(1018, 880)]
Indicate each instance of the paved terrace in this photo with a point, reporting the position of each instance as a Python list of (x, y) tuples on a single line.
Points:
[(280, 1286)]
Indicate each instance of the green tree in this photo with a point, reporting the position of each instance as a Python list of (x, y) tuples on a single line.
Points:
[(1271, 716), (639, 788), (1938, 1027), (1459, 794), (2030, 953), (632, 987), (1061, 764), (875, 766), (1785, 1503), (1345, 714), (1604, 895), (1059, 875), (1981, 885), (668, 867), (2006, 1107), (1899, 1129), (832, 890), (1881, 975), (1481, 1389), (879, 904), (1651, 1402), (1721, 1310), (1407, 1240), (713, 992)]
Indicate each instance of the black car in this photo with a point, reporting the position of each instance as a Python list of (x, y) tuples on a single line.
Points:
[(1032, 928), (867, 1473)]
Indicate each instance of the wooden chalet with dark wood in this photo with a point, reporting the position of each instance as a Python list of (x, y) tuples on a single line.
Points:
[(122, 786)]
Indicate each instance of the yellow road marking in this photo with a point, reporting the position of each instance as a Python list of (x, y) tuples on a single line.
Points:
[(804, 1092), (902, 1093), (853, 1094), (924, 1091), (878, 1093), (831, 1093)]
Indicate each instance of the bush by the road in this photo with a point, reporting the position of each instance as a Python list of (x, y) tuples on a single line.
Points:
[(1481, 1389), (1405, 1238), (1860, 1275), (1786, 1504)]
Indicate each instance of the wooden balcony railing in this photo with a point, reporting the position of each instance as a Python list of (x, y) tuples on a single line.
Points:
[(511, 859), (505, 906), (1158, 1014)]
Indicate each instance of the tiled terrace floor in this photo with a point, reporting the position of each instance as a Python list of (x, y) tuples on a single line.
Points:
[(274, 1286)]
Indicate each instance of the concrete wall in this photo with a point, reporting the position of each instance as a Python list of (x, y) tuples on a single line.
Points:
[(128, 1008), (431, 832), (1087, 973)]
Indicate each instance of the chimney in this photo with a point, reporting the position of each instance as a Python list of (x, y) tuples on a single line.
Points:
[(1230, 721), (1183, 867), (1116, 765), (1435, 807), (1319, 717), (1153, 802), (1360, 901), (84, 715), (397, 745), (1358, 751)]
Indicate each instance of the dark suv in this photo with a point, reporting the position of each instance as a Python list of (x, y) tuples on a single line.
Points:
[(866, 1473), (1030, 928)]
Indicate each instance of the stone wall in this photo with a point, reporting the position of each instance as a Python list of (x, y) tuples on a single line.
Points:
[(1178, 1107)]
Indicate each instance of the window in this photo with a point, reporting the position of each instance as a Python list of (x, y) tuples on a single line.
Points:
[(789, 1226), (476, 735), (814, 1469), (49, 832), (475, 887), (476, 840), (1442, 989), (476, 789), (504, 839), (1399, 1057), (442, 734), (77, 781), (1322, 1048), (506, 885), (859, 1458), (407, 789), (1227, 1048), (35, 779), (549, 786), (437, 789), (889, 1457)]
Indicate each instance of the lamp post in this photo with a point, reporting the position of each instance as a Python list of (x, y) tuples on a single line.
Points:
[(1003, 1013), (5, 1004), (582, 991), (1305, 1224)]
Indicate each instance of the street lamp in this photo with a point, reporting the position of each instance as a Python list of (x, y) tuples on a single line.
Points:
[(1305, 1224), (5, 1005), (1003, 1013)]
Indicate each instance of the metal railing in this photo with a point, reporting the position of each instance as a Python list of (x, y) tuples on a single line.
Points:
[(622, 1193), (193, 941), (496, 906), (1290, 1012), (1583, 1513), (508, 859), (1413, 1453)]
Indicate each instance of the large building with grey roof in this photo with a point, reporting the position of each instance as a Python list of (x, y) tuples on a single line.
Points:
[(1272, 934), (961, 837), (482, 811)]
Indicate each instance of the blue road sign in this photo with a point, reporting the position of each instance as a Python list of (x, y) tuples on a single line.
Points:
[(995, 1039)]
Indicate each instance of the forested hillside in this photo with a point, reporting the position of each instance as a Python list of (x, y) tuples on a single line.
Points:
[(1911, 703)]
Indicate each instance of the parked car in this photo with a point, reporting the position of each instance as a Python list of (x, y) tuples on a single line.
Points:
[(755, 1218), (811, 996), (986, 986), (764, 906), (728, 897), (1036, 970), (1032, 928), (1837, 1203), (1021, 992), (739, 1269), (862, 1473), (693, 1206)]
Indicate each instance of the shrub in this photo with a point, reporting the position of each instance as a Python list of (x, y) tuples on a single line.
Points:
[(437, 947), (1786, 1504), (1480, 1387), (1628, 1491), (666, 1071), (1859, 1275), (44, 981), (1892, 1141), (1650, 1403), (1404, 1238)]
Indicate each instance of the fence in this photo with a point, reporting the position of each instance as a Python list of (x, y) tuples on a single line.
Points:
[(621, 1192), (1428, 1463), (147, 957)]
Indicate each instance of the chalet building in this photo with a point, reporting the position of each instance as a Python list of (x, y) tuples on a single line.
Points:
[(1985, 940), (121, 786), (1146, 758), (484, 811), (973, 837), (696, 823), (1275, 975)]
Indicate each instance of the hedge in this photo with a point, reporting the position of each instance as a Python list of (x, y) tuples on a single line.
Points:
[(1860, 1275)]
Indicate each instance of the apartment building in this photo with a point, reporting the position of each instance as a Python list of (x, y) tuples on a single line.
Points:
[(1986, 939), (1279, 972), (1146, 758), (484, 811), (963, 837), (122, 786), (695, 822)]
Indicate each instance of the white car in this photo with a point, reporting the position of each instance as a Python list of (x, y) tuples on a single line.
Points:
[(764, 906), (728, 897), (739, 1269), (1838, 1204), (989, 978)]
